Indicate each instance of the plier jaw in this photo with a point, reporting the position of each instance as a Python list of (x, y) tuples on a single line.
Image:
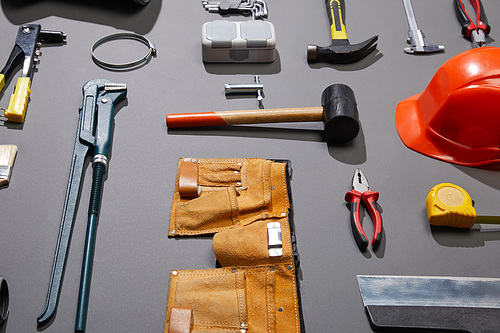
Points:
[(478, 38), (478, 31), (361, 194), (359, 181)]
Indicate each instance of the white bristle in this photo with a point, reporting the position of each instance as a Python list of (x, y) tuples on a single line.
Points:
[(7, 157), (7, 154)]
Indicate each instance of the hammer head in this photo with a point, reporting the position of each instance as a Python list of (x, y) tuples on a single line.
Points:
[(340, 51)]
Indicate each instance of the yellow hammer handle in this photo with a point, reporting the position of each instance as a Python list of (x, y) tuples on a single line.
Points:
[(19, 101), (335, 10)]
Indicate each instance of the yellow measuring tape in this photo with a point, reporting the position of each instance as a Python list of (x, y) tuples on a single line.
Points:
[(450, 205)]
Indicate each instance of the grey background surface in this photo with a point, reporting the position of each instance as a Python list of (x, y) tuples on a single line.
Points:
[(134, 257)]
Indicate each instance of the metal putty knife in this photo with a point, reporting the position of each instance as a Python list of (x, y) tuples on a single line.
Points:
[(421, 303)]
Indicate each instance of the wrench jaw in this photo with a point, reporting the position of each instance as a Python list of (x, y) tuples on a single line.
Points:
[(103, 85), (113, 91)]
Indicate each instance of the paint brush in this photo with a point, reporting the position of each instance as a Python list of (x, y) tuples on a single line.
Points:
[(7, 156)]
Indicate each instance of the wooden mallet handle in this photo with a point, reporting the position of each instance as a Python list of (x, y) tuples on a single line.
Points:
[(177, 120)]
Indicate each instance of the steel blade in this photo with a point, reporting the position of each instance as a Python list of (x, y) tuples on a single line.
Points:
[(469, 292)]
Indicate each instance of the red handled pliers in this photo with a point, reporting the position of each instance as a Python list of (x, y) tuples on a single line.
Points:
[(478, 31), (361, 193)]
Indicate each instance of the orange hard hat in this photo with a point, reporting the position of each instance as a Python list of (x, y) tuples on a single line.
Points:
[(457, 117)]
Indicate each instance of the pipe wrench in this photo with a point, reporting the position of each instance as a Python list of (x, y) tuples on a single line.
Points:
[(29, 38), (93, 139)]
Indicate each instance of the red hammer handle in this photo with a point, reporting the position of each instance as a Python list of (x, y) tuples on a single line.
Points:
[(176, 120)]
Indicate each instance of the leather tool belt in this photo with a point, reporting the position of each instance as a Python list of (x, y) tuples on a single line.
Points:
[(246, 205)]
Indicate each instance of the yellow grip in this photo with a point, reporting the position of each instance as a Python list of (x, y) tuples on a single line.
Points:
[(19, 101), (450, 205), (2, 81), (337, 26)]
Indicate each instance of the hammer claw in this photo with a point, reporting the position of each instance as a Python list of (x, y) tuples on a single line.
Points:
[(341, 51)]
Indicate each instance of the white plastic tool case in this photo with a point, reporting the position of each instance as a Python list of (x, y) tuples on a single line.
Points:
[(234, 41)]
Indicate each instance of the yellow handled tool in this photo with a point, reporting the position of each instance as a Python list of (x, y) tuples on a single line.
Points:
[(340, 51), (450, 205), (29, 38), (336, 15), (19, 101)]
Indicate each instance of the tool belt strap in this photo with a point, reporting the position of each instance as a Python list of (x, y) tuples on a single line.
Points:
[(188, 178)]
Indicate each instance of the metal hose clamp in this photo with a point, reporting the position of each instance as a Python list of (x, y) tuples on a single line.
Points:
[(127, 65), (4, 300)]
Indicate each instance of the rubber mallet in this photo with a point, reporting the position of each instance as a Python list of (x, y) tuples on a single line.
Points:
[(339, 112)]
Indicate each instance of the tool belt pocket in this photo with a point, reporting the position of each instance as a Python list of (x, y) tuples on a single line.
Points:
[(212, 195), (216, 297), (260, 243), (234, 299), (218, 208)]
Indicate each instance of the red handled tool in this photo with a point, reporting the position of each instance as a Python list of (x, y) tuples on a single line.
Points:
[(478, 31), (361, 192)]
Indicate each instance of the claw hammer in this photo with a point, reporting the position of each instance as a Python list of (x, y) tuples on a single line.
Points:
[(340, 51)]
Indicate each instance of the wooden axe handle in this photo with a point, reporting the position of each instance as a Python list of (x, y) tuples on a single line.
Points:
[(176, 120)]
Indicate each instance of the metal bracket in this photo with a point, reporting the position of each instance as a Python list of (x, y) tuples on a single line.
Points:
[(246, 88), (275, 244)]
